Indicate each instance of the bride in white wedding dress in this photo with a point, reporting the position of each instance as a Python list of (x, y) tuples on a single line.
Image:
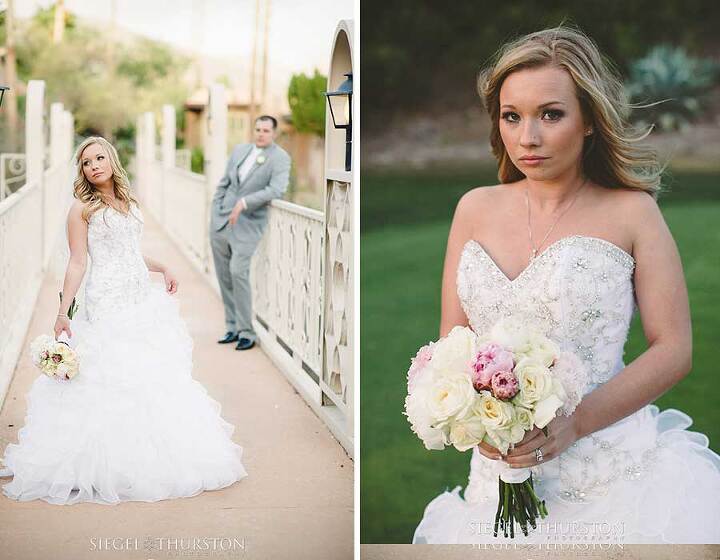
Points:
[(133, 425), (572, 242)]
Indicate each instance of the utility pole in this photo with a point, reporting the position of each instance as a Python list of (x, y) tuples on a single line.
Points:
[(198, 27), (253, 108), (10, 104), (59, 23), (263, 98)]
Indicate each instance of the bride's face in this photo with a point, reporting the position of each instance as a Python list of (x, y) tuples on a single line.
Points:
[(96, 165), (541, 122)]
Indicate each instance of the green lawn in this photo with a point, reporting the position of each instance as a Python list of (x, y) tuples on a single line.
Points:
[(405, 220)]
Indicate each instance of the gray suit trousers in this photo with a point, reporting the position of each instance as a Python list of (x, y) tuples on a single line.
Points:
[(232, 267)]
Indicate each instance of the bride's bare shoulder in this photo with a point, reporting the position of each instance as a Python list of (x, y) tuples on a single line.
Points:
[(479, 198), (76, 211)]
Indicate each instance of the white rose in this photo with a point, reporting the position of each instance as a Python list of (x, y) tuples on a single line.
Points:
[(512, 334), (468, 431), (535, 381), (542, 349), (456, 351), (501, 438), (545, 410), (64, 350), (450, 395), (524, 418), (495, 413), (420, 419), (466, 434), (63, 370), (38, 346)]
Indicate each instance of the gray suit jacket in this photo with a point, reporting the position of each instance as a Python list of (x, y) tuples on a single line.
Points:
[(264, 182)]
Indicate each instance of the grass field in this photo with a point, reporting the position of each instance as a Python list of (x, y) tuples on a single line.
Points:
[(405, 221)]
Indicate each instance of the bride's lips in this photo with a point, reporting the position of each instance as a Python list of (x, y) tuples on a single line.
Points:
[(533, 160)]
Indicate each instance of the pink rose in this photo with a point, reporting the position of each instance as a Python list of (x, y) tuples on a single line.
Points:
[(418, 363), (490, 359), (504, 385)]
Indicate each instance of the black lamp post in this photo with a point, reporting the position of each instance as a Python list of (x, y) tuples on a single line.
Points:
[(2, 93), (340, 102)]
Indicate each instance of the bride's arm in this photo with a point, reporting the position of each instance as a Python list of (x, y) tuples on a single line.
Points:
[(662, 299), (153, 265), (452, 313), (77, 264), (171, 282), (663, 303)]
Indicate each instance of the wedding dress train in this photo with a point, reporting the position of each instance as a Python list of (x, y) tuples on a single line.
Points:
[(644, 479), (133, 425)]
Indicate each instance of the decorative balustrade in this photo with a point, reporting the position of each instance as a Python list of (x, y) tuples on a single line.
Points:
[(301, 273), (31, 221), (12, 173), (286, 277)]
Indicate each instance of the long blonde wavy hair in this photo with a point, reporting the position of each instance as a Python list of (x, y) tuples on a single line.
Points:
[(611, 155), (86, 192)]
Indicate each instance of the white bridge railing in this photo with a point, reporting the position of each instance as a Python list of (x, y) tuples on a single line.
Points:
[(31, 223), (299, 313)]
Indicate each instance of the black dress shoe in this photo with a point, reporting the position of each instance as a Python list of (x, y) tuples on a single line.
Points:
[(229, 337), (245, 344)]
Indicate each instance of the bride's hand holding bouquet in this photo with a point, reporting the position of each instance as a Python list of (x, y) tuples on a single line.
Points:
[(498, 391)]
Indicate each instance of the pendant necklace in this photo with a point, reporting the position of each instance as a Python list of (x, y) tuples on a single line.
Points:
[(535, 249)]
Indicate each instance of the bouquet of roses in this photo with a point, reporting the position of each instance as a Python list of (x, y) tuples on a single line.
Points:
[(54, 358), (465, 389)]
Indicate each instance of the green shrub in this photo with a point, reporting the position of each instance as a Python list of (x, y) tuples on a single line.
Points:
[(197, 160), (675, 82)]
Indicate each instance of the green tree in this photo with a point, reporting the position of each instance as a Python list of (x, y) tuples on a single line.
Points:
[(307, 102), (105, 97)]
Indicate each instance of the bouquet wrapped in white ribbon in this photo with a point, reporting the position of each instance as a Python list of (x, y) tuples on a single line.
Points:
[(466, 389)]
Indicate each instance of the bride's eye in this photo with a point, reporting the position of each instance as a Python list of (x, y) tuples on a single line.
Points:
[(510, 117), (552, 114)]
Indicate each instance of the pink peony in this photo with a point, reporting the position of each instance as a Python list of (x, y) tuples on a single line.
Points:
[(490, 359), (504, 385), (418, 363)]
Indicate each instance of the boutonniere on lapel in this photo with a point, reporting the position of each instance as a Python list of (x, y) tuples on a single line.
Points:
[(260, 159)]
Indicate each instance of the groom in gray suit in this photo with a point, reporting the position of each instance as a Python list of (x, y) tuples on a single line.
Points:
[(255, 174)]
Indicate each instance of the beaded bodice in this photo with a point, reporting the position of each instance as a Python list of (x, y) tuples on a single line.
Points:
[(578, 292), (118, 274)]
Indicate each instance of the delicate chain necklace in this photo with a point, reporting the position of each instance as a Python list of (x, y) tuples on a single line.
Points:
[(530, 235)]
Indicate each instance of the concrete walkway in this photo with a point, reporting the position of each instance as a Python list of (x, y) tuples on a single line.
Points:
[(296, 502)]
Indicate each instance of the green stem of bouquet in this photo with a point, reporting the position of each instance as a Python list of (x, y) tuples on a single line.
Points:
[(501, 491), (517, 502), (506, 512), (72, 309)]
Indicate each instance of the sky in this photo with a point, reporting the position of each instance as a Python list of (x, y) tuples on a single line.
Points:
[(299, 40)]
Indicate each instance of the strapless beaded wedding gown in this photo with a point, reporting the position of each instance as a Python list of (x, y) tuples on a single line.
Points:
[(644, 479), (133, 425)]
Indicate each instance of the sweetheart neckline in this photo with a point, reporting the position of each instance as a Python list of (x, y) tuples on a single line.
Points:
[(553, 245), (129, 213)]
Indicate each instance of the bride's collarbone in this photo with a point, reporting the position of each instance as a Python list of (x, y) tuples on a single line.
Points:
[(503, 233)]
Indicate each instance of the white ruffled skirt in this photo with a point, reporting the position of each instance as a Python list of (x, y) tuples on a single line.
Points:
[(133, 425), (645, 479)]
